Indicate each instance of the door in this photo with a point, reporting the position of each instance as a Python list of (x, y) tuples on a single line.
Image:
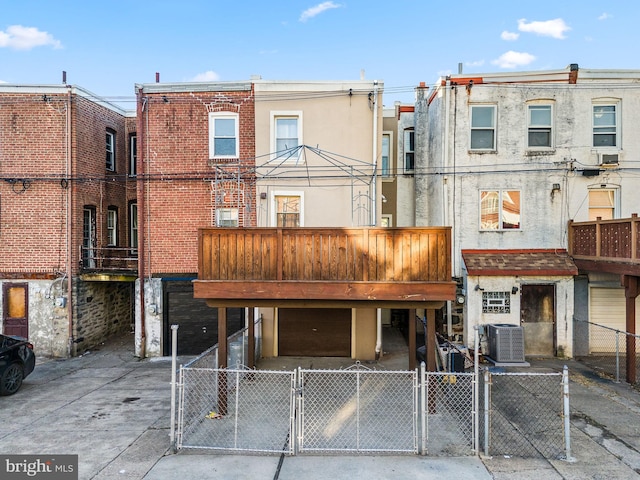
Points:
[(314, 332), (538, 318), (89, 237), (15, 314)]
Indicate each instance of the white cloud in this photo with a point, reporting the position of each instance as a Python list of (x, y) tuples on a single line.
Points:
[(208, 76), (513, 59), (317, 10), (604, 16), (550, 28), (26, 38), (509, 36)]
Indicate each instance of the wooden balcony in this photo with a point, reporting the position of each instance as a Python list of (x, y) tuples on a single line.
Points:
[(606, 245), (325, 267)]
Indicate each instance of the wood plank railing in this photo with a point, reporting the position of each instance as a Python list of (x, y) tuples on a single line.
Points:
[(416, 254), (615, 240)]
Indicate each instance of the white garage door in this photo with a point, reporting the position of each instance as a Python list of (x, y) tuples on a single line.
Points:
[(607, 308)]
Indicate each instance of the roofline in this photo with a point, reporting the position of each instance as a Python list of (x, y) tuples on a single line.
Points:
[(186, 87), (63, 90)]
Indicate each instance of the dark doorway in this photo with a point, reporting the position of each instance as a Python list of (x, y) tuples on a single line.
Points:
[(314, 332), (538, 319)]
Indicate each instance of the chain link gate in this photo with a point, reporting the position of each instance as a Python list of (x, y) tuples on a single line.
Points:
[(358, 410)]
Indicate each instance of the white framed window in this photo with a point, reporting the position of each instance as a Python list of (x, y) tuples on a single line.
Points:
[(223, 135), (539, 126), (287, 209), (286, 135), (111, 150), (385, 155), (133, 155), (112, 226), (500, 210), (386, 220), (409, 146), (606, 124), (483, 127), (133, 227), (603, 203), (227, 217)]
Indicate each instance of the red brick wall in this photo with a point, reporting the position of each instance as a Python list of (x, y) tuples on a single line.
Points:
[(33, 155), (180, 187)]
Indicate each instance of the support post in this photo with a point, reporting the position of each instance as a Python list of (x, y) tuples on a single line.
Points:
[(567, 415), (222, 361), (174, 354), (631, 291), (432, 348), (412, 339)]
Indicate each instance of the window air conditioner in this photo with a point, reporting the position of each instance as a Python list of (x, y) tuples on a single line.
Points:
[(608, 159), (506, 343)]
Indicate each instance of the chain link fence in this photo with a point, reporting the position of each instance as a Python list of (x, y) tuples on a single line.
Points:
[(358, 410), (522, 415), (607, 351)]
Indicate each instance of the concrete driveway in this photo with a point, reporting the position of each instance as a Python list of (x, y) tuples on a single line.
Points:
[(113, 410)]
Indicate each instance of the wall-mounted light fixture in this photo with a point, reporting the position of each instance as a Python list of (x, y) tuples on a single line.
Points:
[(514, 290), (478, 288), (555, 187)]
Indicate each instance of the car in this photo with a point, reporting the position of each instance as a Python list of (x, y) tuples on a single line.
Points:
[(17, 360)]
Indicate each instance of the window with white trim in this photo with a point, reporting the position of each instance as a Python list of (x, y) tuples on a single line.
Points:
[(288, 210), (500, 210), (223, 135), (133, 227), (111, 150), (227, 217), (539, 125), (112, 226), (286, 135), (409, 146), (133, 155), (385, 156), (605, 125), (483, 127), (602, 203)]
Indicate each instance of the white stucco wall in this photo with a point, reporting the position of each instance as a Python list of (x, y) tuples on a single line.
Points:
[(153, 318)]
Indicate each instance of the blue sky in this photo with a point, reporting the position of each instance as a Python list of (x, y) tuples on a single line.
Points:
[(107, 47)]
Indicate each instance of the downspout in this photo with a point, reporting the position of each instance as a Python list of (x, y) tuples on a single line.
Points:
[(445, 186), (140, 190), (70, 188), (374, 203)]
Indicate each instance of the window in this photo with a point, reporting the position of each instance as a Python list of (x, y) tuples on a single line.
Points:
[(496, 302), (133, 155), (409, 146), (602, 203), (500, 210), (605, 126), (89, 237), (111, 150), (286, 130), (112, 226), (133, 227), (223, 135), (288, 211), (386, 220), (227, 217), (385, 166), (539, 125), (483, 127)]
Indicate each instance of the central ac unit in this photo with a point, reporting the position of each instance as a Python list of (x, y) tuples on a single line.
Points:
[(506, 342), (608, 159)]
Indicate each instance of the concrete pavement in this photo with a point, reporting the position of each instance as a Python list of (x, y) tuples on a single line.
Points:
[(113, 411)]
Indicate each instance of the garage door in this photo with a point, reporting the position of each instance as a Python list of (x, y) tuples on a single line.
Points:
[(607, 308), (314, 332), (198, 323)]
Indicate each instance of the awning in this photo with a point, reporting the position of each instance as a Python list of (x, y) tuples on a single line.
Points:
[(525, 262)]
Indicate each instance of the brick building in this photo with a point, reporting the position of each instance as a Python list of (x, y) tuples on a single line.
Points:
[(64, 217)]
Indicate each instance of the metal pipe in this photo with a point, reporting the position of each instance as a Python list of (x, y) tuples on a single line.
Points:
[(70, 188), (174, 354), (423, 407), (567, 415), (617, 357), (486, 412), (476, 400), (374, 200), (378, 332)]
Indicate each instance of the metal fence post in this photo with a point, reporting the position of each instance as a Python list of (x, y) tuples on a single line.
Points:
[(617, 356), (174, 353), (567, 415), (486, 412), (475, 392), (423, 408)]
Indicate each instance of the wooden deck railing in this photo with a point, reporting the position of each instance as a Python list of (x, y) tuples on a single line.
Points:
[(615, 240), (325, 254)]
